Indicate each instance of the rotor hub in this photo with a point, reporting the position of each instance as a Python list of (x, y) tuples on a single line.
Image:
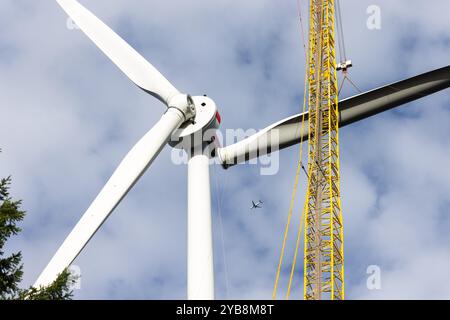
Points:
[(199, 128), (185, 104)]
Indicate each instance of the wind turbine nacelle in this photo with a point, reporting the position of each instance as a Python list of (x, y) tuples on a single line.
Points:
[(200, 130)]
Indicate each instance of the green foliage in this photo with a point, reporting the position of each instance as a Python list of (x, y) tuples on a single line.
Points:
[(11, 267), (58, 290)]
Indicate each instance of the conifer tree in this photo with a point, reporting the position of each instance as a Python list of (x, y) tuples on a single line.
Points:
[(11, 267)]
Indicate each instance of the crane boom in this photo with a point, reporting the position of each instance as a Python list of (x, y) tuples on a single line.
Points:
[(324, 241)]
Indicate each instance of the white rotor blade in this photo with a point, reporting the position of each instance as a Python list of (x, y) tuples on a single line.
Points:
[(127, 173), (289, 131), (139, 70)]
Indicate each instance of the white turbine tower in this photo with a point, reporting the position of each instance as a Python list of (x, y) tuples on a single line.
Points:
[(187, 120)]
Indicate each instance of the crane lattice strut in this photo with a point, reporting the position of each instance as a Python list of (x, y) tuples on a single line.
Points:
[(324, 241)]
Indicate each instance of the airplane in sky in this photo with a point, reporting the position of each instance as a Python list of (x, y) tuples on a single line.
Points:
[(256, 205)]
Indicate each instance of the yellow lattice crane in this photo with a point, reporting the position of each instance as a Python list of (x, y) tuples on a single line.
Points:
[(324, 239), (321, 219), (321, 216)]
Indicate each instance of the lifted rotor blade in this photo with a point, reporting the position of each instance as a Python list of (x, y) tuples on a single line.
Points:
[(288, 132), (135, 67), (126, 175)]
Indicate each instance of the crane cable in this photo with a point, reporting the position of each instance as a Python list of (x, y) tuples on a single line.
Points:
[(340, 30), (294, 191), (341, 45)]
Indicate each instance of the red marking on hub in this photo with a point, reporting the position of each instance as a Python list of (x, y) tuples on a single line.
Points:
[(218, 116)]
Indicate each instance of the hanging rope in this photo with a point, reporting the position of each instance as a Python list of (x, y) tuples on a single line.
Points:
[(346, 77), (297, 174), (351, 82), (297, 246), (291, 206), (301, 29), (219, 193)]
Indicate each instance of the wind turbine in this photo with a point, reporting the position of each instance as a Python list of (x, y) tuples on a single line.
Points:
[(186, 122)]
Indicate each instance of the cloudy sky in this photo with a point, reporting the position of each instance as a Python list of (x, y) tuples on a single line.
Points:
[(68, 116)]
